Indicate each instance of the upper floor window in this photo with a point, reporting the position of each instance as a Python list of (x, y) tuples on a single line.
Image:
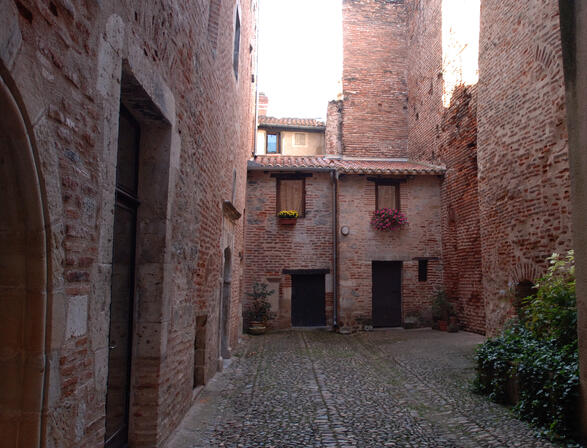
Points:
[(299, 139), (387, 195), (272, 142), (237, 39), (291, 195)]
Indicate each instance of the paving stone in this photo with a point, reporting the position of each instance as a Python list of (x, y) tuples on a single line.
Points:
[(392, 388)]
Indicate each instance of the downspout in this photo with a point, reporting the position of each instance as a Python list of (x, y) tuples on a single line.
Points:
[(334, 177)]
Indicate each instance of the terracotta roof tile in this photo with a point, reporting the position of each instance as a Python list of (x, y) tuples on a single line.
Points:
[(265, 121), (345, 166)]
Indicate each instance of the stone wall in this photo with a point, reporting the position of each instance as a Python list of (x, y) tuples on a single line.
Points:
[(65, 64), (524, 191), (273, 247), (374, 78)]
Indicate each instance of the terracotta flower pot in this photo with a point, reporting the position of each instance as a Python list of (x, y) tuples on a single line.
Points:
[(288, 221)]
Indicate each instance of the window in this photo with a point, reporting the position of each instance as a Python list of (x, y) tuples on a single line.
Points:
[(273, 143), (387, 195), (237, 40), (299, 139), (291, 195), (422, 270)]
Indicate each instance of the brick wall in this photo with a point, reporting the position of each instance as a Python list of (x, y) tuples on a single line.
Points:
[(447, 135), (522, 147), (272, 247), (420, 202), (63, 61), (374, 78)]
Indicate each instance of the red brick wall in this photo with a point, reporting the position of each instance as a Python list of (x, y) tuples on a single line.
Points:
[(420, 201), (333, 133), (272, 247), (522, 147), (447, 135), (374, 78), (65, 70)]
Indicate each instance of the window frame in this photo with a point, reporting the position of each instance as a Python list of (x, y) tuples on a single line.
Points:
[(388, 182), (278, 135), (302, 178), (236, 44), (423, 270)]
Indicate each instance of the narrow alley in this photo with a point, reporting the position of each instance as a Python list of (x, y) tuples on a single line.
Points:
[(393, 388)]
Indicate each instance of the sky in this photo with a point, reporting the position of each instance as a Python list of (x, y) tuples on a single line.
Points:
[(300, 55)]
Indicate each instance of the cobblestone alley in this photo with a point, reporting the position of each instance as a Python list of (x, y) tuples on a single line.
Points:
[(388, 388)]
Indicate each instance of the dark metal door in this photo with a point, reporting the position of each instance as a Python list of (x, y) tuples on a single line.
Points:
[(123, 278), (307, 301), (387, 293)]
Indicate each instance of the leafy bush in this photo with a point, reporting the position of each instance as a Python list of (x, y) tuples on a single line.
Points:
[(533, 363), (259, 310), (441, 307)]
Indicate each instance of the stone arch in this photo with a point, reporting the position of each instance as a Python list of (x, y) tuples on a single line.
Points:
[(23, 280)]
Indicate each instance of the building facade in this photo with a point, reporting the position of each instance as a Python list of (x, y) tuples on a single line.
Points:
[(125, 132)]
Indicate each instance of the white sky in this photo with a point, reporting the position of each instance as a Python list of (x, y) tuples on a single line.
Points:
[(300, 55)]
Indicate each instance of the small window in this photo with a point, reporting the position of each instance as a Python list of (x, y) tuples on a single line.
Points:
[(299, 139), (291, 195), (387, 196), (273, 143), (422, 270), (237, 41)]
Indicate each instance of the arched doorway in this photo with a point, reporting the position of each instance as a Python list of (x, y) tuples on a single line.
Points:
[(23, 293)]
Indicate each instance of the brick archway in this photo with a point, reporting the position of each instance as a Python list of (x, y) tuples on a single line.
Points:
[(23, 281)]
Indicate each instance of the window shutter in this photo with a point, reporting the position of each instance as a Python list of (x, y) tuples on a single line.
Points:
[(291, 195), (386, 196)]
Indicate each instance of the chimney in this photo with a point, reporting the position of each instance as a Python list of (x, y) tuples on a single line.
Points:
[(263, 104)]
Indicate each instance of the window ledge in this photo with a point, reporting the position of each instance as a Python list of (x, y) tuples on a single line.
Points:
[(230, 211)]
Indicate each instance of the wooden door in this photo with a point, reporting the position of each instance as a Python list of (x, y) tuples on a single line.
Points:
[(123, 278), (307, 301), (387, 293)]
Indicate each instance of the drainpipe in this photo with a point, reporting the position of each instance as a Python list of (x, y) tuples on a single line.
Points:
[(334, 177)]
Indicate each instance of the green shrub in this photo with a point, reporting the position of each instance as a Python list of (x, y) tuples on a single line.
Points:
[(537, 357)]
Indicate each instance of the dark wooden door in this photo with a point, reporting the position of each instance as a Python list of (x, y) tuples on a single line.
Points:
[(123, 278), (387, 293), (307, 301)]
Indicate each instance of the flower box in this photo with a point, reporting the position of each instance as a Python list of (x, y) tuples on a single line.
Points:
[(387, 219), (288, 217)]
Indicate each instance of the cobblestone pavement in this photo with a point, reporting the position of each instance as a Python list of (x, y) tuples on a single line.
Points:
[(388, 388)]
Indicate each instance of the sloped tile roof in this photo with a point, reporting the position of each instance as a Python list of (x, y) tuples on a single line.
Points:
[(345, 166), (265, 121)]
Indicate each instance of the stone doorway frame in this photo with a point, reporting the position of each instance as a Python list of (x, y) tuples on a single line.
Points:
[(30, 389)]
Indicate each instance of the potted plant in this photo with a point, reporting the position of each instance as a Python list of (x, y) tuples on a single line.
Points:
[(442, 309), (288, 217), (258, 312), (387, 219)]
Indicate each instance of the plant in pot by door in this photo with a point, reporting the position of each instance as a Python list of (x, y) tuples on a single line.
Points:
[(442, 309), (288, 217), (258, 311)]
